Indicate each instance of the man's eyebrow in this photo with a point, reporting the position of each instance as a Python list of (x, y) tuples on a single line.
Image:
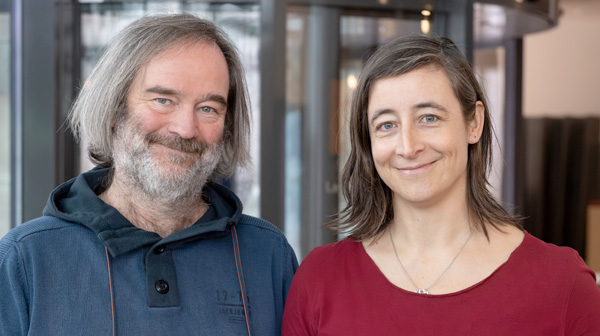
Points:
[(214, 97), (166, 91), (161, 90)]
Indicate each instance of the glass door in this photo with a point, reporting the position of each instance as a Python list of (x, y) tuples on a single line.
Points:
[(5, 118), (241, 21), (327, 47)]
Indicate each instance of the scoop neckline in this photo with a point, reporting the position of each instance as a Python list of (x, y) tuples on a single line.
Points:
[(372, 263)]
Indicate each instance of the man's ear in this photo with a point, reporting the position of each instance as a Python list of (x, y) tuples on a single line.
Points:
[(476, 125)]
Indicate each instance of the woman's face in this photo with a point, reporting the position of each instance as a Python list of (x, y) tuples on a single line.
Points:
[(419, 138)]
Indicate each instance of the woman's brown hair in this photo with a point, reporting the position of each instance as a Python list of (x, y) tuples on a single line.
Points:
[(369, 208)]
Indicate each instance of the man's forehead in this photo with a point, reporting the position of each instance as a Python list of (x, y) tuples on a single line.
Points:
[(190, 68), (173, 51), (177, 48)]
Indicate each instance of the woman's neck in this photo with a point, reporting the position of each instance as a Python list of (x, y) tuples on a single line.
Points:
[(433, 226)]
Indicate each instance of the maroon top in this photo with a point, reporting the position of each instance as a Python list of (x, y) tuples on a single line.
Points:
[(542, 289)]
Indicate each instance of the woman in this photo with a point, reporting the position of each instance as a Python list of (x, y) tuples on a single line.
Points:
[(430, 251)]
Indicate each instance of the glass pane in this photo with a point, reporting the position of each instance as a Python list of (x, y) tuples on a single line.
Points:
[(294, 98), (5, 142), (360, 37), (101, 21), (489, 64)]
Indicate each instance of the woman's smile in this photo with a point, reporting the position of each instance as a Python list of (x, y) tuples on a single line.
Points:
[(416, 169)]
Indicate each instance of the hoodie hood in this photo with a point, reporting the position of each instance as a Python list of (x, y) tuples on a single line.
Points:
[(75, 201)]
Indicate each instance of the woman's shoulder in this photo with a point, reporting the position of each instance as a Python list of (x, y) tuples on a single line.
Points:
[(328, 258), (547, 252), (333, 251), (554, 261)]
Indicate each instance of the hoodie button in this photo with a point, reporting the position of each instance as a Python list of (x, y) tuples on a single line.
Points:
[(159, 249), (162, 287)]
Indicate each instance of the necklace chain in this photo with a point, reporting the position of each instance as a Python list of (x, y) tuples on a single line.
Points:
[(426, 289)]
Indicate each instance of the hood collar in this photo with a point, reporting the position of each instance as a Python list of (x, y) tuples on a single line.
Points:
[(76, 201)]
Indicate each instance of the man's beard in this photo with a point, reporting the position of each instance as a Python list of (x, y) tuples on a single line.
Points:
[(135, 163)]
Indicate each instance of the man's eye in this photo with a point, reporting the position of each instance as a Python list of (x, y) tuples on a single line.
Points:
[(207, 109), (162, 101), (430, 118)]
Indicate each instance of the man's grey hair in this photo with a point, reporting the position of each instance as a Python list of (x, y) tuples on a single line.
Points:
[(102, 101)]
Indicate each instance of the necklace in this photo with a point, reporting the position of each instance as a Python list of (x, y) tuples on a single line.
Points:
[(426, 289)]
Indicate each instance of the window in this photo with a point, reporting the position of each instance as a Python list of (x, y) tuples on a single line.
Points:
[(101, 21), (5, 120)]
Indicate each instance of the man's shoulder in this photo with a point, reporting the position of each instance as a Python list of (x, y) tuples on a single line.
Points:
[(32, 233), (259, 225), (39, 232), (259, 232), (37, 226)]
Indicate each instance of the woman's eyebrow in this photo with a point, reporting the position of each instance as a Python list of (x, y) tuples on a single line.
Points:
[(429, 104), (378, 113)]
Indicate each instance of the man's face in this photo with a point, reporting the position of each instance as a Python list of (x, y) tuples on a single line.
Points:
[(171, 139)]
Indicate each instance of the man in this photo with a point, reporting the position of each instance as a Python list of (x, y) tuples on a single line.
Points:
[(147, 243)]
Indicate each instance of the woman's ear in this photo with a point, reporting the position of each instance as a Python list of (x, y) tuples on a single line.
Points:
[(476, 125)]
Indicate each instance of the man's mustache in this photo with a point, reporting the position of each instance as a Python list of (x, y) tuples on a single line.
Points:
[(177, 143)]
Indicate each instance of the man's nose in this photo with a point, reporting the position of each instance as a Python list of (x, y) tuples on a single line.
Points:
[(184, 122)]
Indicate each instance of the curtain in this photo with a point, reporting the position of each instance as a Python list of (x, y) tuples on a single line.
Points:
[(561, 175)]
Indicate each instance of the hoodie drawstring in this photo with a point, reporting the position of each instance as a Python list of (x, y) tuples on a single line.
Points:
[(112, 304), (238, 266), (240, 273)]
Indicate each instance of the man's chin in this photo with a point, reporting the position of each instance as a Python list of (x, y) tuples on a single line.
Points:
[(171, 186), (177, 162), (162, 152)]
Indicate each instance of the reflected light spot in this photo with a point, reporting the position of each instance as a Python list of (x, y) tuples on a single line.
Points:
[(425, 26), (351, 81)]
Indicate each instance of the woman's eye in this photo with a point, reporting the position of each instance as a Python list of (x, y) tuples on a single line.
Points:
[(386, 126), (430, 118)]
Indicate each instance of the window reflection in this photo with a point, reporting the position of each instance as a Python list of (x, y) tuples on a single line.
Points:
[(5, 201), (489, 64), (294, 96), (101, 21), (359, 37)]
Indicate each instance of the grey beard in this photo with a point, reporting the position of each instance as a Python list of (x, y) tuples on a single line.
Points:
[(134, 163)]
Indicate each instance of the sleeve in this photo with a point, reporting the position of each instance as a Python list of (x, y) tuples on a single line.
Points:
[(297, 313), (284, 275), (290, 266), (301, 315), (583, 310), (14, 313)]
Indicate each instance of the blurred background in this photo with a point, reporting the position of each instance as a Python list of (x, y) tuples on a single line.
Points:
[(537, 59)]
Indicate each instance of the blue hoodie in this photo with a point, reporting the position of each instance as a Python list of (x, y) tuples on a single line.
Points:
[(84, 269)]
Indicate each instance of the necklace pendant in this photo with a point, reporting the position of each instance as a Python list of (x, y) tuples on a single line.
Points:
[(422, 291)]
